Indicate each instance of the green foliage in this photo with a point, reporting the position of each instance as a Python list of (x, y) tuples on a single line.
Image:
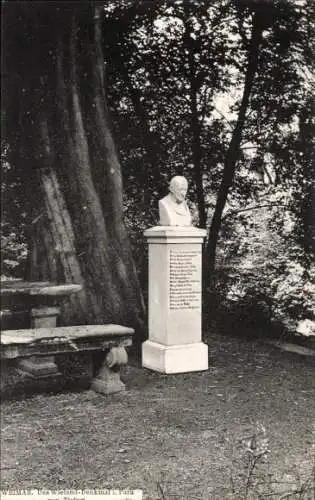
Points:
[(14, 248), (13, 252), (264, 274), (293, 293), (162, 65)]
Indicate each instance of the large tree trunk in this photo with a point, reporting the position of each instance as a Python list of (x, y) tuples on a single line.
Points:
[(152, 180), (233, 152), (80, 237), (152, 150)]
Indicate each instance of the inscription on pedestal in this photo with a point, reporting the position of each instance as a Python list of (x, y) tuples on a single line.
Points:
[(184, 279)]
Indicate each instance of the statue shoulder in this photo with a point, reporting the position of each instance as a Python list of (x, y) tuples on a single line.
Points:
[(165, 201)]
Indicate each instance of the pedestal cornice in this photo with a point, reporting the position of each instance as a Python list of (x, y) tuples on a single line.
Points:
[(175, 234)]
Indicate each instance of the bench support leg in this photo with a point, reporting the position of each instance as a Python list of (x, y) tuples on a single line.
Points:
[(108, 379)]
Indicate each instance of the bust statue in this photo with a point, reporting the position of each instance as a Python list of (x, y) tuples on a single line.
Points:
[(173, 208)]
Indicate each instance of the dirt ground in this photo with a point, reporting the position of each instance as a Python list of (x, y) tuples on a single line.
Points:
[(174, 436)]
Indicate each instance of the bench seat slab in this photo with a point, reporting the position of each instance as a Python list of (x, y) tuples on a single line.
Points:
[(72, 332), (58, 340)]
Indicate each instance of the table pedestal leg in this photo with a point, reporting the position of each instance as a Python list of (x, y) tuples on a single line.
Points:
[(41, 366)]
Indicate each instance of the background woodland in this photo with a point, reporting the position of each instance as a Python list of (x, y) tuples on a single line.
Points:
[(103, 102)]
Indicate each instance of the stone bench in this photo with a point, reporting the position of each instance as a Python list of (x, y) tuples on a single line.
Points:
[(62, 344)]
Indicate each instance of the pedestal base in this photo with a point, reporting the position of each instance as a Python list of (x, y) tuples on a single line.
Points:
[(108, 380), (38, 366), (108, 386), (41, 366), (176, 358)]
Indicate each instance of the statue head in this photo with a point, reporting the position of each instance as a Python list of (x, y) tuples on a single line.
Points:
[(178, 188)]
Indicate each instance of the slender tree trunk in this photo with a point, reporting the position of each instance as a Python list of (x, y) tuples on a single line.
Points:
[(196, 154), (195, 126), (308, 201), (233, 150)]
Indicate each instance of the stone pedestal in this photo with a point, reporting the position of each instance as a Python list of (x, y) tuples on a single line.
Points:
[(175, 287)]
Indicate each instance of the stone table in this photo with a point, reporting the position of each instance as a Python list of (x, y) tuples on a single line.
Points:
[(33, 305)]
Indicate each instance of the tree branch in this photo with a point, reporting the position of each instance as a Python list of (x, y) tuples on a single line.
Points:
[(256, 207)]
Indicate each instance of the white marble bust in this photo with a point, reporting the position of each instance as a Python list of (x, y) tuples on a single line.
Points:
[(173, 208)]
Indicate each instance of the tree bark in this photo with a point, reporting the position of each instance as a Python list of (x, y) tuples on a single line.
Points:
[(233, 152), (196, 154), (151, 173), (307, 204), (80, 236), (195, 126)]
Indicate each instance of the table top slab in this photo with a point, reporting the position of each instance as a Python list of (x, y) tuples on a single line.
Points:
[(15, 288)]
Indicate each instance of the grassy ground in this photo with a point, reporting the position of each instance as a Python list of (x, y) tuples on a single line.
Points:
[(175, 436)]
